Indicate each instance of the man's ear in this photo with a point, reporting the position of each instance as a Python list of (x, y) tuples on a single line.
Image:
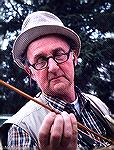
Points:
[(75, 58), (29, 71)]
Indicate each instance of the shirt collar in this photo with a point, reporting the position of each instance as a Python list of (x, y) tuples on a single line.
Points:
[(55, 103), (59, 104)]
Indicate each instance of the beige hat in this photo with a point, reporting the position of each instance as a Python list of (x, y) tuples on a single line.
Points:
[(38, 24)]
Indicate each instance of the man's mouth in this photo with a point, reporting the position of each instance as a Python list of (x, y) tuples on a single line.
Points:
[(56, 78)]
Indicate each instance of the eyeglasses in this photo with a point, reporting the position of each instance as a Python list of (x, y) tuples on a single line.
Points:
[(59, 56)]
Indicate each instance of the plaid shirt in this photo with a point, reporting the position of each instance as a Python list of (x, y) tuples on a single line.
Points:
[(85, 115)]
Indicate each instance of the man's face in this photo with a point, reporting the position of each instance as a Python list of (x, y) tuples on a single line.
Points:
[(55, 79)]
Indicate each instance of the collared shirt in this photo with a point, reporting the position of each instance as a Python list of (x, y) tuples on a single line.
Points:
[(84, 115)]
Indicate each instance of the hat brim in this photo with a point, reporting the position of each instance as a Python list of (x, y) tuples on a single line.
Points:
[(25, 38)]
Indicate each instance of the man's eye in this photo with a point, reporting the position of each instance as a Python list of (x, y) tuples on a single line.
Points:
[(41, 60), (60, 57)]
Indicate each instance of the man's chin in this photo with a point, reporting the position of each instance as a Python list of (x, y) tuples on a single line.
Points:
[(59, 87)]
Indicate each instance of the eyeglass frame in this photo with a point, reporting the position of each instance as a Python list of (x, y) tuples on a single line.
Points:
[(47, 59)]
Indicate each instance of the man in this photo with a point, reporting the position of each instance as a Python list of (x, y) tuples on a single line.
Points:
[(48, 51)]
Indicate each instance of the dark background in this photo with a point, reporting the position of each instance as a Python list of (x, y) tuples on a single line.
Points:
[(93, 20)]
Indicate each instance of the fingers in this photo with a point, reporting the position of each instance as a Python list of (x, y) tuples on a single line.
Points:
[(67, 133), (56, 132), (70, 129), (44, 131), (74, 129)]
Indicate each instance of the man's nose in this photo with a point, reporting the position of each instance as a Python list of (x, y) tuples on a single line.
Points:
[(52, 65)]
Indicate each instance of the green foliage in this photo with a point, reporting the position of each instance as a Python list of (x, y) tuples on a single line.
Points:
[(91, 19)]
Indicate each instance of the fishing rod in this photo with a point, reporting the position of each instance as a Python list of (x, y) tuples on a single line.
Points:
[(80, 126)]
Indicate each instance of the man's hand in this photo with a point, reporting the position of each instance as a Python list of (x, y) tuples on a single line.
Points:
[(58, 132)]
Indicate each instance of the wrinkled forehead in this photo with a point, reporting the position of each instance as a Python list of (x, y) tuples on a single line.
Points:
[(55, 37), (47, 45), (47, 41)]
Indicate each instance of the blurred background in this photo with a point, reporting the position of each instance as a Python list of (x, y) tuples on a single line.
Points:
[(92, 20)]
